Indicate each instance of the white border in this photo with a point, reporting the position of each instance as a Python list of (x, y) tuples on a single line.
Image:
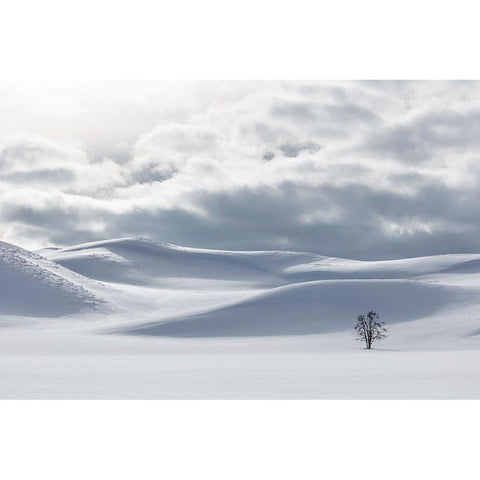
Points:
[(102, 39), (239, 440), (252, 39)]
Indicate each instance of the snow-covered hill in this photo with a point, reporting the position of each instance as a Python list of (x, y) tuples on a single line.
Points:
[(31, 285), (250, 294), (315, 307), (183, 322), (144, 262), (330, 268)]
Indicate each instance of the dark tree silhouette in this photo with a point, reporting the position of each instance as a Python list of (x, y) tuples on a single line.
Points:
[(369, 328)]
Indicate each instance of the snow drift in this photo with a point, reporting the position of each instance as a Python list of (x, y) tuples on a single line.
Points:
[(313, 308), (142, 261), (182, 322), (34, 286), (290, 293)]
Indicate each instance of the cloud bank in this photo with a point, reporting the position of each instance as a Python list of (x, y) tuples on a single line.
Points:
[(355, 169)]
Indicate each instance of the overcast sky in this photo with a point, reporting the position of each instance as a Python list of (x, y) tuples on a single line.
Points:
[(354, 169)]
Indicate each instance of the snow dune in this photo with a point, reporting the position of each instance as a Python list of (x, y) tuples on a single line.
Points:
[(153, 320), (144, 262), (273, 293), (336, 268), (34, 286), (313, 308)]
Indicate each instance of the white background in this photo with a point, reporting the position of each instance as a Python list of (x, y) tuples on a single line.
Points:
[(248, 39), (239, 440), (229, 439)]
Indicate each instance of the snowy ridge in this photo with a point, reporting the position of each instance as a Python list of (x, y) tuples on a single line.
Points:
[(291, 266), (274, 293), (34, 285), (329, 267), (313, 308)]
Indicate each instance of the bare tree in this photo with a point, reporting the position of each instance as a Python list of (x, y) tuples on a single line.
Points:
[(369, 328)]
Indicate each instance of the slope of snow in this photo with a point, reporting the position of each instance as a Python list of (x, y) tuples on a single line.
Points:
[(313, 308), (336, 268), (140, 260), (200, 293), (154, 320), (34, 286), (143, 262)]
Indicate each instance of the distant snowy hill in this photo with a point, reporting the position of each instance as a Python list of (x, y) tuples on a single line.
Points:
[(190, 292), (142, 261)]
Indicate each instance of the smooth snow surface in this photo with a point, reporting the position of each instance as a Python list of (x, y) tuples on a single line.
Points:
[(131, 318)]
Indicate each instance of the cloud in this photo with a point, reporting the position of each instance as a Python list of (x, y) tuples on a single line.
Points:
[(36, 161), (354, 169)]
